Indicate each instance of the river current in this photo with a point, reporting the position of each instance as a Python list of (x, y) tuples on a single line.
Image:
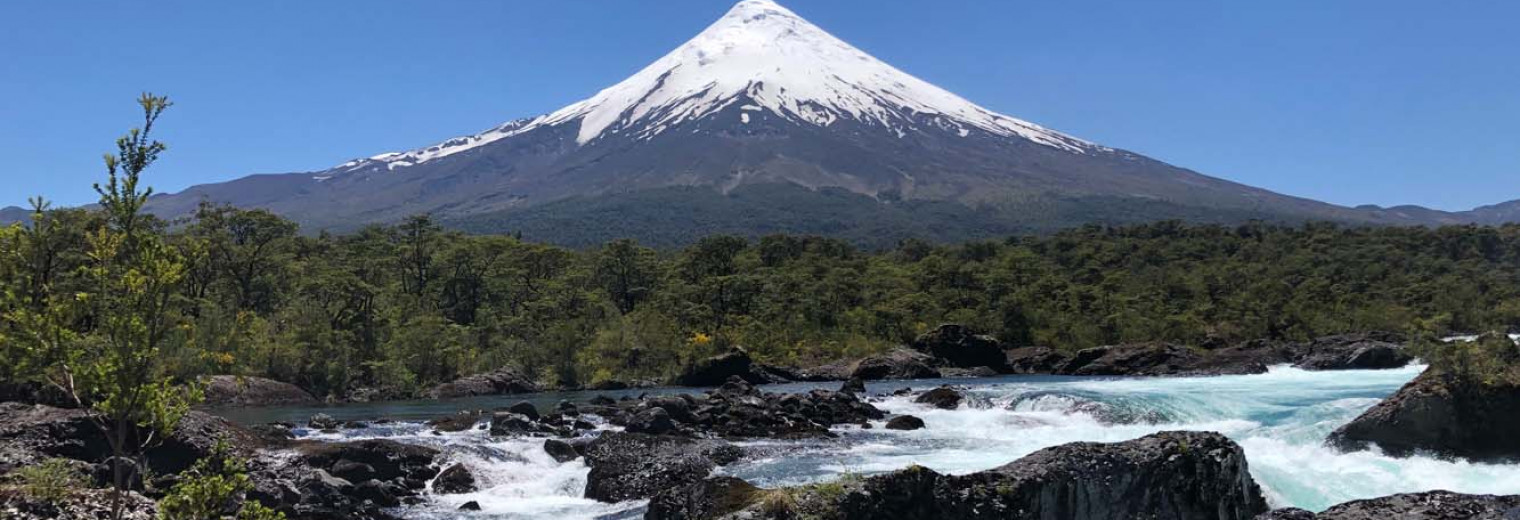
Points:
[(1280, 418)]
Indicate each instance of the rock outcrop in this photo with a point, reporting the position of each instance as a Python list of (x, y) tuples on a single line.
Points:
[(1178, 475), (1034, 360), (718, 369), (1440, 414), (224, 391), (633, 466), (30, 434), (1150, 359), (944, 398), (896, 364), (959, 347), (1354, 352), (504, 381)]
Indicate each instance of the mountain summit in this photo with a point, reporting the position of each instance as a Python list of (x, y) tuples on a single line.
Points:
[(763, 122)]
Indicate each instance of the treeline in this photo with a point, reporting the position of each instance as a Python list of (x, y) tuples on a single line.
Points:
[(388, 311)]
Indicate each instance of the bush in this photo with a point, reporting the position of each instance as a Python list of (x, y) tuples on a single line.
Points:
[(50, 481)]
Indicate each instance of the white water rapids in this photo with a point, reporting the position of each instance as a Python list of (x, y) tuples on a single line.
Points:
[(1281, 419)]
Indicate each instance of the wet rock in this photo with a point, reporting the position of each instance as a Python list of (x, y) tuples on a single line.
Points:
[(503, 381), (1033, 360), (1430, 505), (634, 466), (323, 421), (525, 409), (376, 492), (602, 400), (455, 480), (958, 346), (470, 506), (905, 422), (896, 364), (381, 459), (1440, 414), (560, 451), (513, 424), (222, 391), (944, 398), (455, 423), (1177, 475)]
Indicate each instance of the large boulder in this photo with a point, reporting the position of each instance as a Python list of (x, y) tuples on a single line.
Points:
[(715, 370), (1354, 352), (1174, 475), (944, 398), (1440, 414), (896, 364), (635, 466), (225, 391), (454, 480), (503, 381), (958, 346)]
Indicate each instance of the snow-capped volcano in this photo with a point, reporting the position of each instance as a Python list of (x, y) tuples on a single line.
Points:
[(761, 56), (763, 122)]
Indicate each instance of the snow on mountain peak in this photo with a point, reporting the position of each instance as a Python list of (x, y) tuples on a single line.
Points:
[(771, 59)]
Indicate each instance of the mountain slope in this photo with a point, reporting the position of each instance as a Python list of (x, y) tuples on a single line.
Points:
[(761, 98)]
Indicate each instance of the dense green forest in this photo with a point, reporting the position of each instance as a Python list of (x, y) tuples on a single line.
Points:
[(399, 308)]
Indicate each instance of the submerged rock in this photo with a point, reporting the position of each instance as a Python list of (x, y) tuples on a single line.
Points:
[(905, 422), (1440, 414), (944, 398), (1174, 475)]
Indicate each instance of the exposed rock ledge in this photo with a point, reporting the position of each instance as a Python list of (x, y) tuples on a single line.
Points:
[(252, 391), (1437, 414), (1432, 505), (1174, 475)]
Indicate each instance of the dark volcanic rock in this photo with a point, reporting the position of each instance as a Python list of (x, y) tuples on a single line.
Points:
[(1152, 359), (1440, 414), (455, 423), (959, 347), (384, 460), (525, 409), (653, 421), (1354, 352), (454, 480), (1291, 513), (252, 391), (560, 451), (30, 434), (632, 466), (905, 422), (1034, 360), (718, 369), (854, 385), (470, 506), (943, 397), (710, 498), (1427, 506), (896, 364), (504, 381), (1172, 475)]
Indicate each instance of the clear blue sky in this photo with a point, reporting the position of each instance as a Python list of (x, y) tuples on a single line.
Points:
[(1348, 101)]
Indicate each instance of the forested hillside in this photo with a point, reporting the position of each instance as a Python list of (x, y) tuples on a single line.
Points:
[(395, 309)]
